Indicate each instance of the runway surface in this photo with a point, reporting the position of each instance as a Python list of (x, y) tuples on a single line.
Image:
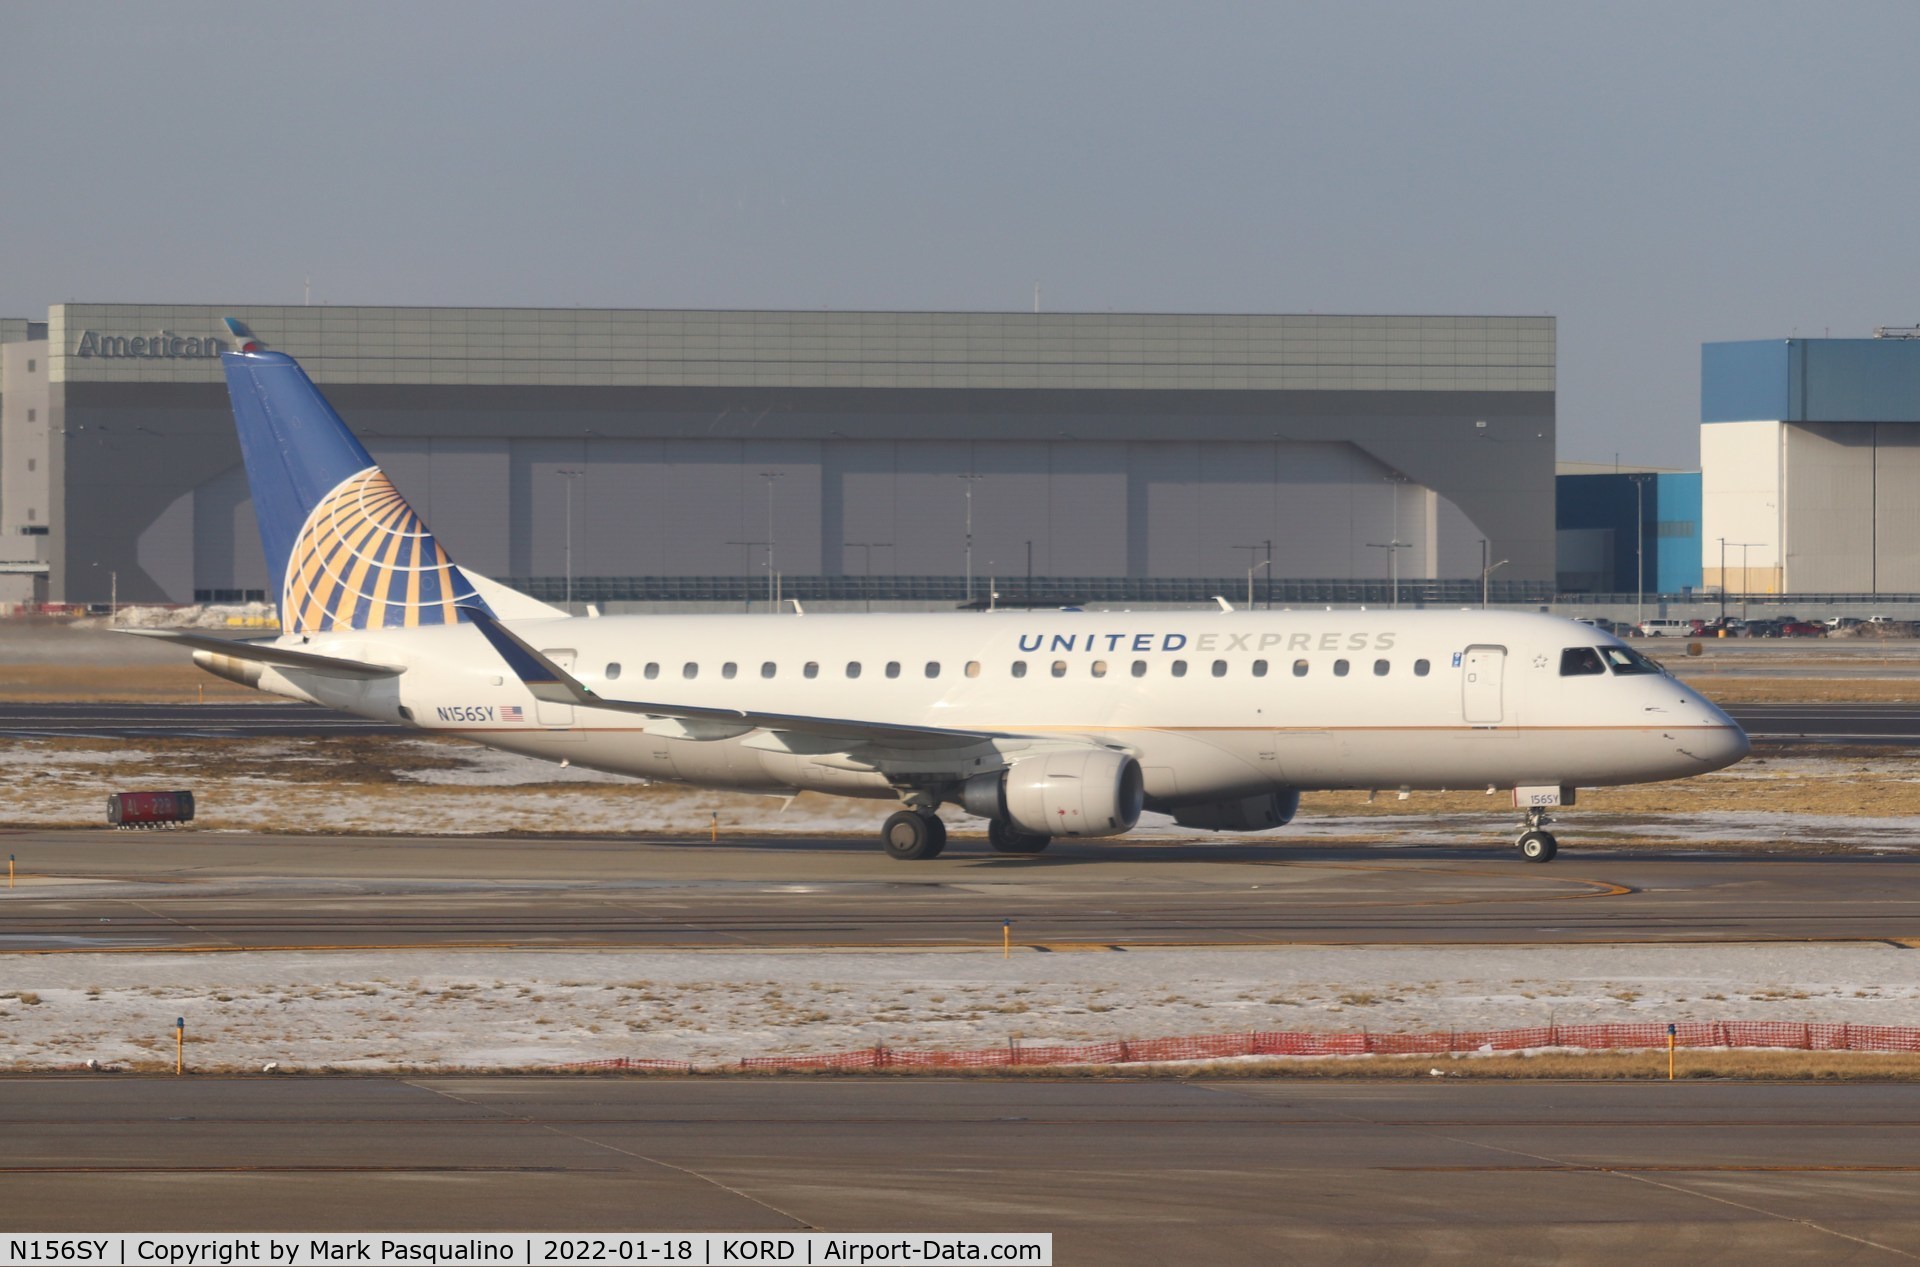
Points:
[(1121, 1172), (1870, 723), (107, 891), (179, 721)]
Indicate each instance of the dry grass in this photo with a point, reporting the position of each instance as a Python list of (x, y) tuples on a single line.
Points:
[(120, 683), (1729, 689)]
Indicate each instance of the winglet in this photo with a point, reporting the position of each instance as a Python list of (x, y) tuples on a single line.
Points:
[(243, 338), (541, 676)]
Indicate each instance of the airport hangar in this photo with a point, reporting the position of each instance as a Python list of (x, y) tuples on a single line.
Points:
[(1810, 465), (645, 457)]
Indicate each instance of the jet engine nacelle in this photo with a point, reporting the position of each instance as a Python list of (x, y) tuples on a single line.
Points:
[(1089, 792), (1253, 813)]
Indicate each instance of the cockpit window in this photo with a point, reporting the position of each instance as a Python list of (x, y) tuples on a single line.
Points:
[(1627, 660), (1581, 662)]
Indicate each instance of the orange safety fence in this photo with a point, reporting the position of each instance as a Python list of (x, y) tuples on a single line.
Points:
[(1779, 1035), (1750, 1035)]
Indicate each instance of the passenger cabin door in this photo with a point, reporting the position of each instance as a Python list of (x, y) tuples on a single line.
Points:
[(555, 714), (1481, 669)]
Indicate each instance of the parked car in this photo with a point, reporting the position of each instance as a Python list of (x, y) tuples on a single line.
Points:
[(1763, 629), (1662, 629), (1601, 623), (1802, 629), (1844, 622)]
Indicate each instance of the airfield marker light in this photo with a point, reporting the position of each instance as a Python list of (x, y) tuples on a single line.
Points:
[(1006, 939), (179, 1046), (1671, 1032), (9, 870), (714, 834)]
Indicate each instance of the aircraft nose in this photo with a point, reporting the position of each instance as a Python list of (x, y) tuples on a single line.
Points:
[(1721, 743), (1725, 745)]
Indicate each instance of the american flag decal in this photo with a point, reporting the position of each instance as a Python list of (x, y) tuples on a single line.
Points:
[(512, 712)]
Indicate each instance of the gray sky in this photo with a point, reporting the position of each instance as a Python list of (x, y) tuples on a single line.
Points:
[(1655, 175)]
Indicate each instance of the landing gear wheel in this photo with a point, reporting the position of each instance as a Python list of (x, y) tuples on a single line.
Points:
[(1005, 838), (1538, 846), (911, 836)]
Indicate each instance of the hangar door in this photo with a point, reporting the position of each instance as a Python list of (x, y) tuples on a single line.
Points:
[(1481, 669)]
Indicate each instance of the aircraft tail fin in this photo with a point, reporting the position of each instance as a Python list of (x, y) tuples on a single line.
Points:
[(344, 548)]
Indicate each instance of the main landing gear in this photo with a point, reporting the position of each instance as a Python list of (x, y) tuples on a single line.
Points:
[(1006, 838), (1536, 844), (913, 834), (916, 832)]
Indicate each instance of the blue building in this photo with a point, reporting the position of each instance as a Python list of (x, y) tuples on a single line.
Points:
[(1612, 523)]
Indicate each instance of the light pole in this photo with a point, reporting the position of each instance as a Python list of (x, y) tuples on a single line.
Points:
[(970, 477), (1746, 582), (1393, 549), (866, 567), (1486, 573), (1723, 583), (773, 599), (1639, 544), (1250, 571), (569, 475), (746, 562)]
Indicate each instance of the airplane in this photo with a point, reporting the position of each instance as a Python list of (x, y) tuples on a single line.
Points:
[(1047, 724)]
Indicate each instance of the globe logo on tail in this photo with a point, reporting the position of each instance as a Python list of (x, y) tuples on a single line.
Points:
[(365, 560)]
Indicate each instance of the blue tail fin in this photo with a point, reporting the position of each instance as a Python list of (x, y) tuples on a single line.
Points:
[(345, 549)]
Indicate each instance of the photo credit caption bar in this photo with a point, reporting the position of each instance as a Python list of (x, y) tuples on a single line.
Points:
[(542, 1249)]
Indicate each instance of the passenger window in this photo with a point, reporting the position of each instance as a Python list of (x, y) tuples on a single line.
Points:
[(1139, 668), (1019, 668), (690, 670), (1179, 668), (1259, 668), (1381, 668), (768, 669), (973, 668), (613, 673), (1219, 668), (729, 669), (933, 668), (812, 669), (1299, 668), (853, 668), (1059, 668), (893, 668), (1420, 668), (1581, 662), (1340, 668), (1099, 668), (652, 671)]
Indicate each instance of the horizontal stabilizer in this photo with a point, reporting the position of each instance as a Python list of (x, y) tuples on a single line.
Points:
[(509, 603), (548, 681), (279, 657)]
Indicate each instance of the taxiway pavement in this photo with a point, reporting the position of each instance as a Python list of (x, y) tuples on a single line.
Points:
[(105, 891), (1121, 1172)]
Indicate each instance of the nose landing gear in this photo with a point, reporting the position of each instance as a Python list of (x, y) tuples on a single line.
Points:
[(1535, 843)]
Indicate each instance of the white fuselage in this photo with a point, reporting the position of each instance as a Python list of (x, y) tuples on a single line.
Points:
[(1212, 704)]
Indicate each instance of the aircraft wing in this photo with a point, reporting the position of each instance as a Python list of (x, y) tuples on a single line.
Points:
[(280, 657), (548, 681)]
